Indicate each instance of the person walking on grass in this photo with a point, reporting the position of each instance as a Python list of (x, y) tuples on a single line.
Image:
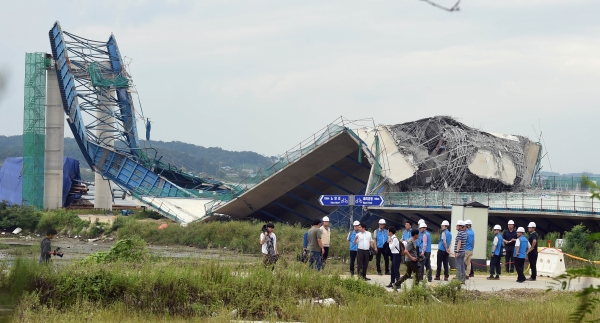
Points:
[(509, 237), (459, 250), (443, 251), (315, 245), (381, 247), (521, 246), (353, 246), (469, 246), (395, 249), (364, 241), (425, 252), (411, 260), (496, 254), (46, 248), (268, 240), (325, 238), (532, 252)]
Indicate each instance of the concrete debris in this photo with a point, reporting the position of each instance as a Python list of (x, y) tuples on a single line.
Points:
[(17, 231), (440, 153), (324, 302)]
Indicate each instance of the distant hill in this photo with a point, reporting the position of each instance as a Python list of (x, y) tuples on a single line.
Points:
[(194, 159)]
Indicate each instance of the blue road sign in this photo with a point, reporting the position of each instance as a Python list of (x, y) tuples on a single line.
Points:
[(334, 200), (368, 200)]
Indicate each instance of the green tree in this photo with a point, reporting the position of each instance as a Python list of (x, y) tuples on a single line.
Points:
[(588, 297)]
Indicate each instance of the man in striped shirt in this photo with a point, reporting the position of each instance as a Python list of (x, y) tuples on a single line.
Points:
[(459, 250)]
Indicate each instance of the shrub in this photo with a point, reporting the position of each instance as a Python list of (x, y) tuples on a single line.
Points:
[(577, 242), (61, 220), (133, 249), (13, 216)]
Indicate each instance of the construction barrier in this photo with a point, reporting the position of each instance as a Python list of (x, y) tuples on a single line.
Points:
[(550, 262), (433, 257)]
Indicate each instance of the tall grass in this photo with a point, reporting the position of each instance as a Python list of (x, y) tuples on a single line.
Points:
[(243, 236)]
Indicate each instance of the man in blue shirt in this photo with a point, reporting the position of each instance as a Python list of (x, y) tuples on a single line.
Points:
[(304, 246), (469, 246), (381, 238), (425, 251), (408, 228), (521, 246), (443, 251), (353, 246), (496, 254)]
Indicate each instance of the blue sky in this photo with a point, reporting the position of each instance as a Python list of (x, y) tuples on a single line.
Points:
[(264, 75)]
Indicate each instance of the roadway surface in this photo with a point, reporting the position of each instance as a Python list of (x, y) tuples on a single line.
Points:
[(480, 283)]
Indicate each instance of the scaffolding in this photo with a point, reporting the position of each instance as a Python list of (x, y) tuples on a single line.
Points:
[(34, 122)]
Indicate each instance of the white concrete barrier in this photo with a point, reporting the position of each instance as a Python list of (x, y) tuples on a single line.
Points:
[(433, 257), (550, 263)]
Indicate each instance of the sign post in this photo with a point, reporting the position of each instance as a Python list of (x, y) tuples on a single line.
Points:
[(351, 200)]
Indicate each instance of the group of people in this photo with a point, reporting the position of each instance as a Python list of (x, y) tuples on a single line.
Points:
[(415, 246)]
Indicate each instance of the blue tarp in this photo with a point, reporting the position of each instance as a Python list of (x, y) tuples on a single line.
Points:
[(11, 185), (10, 181)]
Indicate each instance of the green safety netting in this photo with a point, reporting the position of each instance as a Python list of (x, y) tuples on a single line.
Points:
[(98, 79)]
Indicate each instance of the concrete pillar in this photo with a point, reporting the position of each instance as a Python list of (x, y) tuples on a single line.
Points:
[(102, 190), (55, 143)]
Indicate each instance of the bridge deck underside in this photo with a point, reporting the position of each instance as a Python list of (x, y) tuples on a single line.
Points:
[(292, 194), (546, 222)]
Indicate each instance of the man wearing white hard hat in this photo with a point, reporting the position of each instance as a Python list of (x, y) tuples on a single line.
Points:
[(425, 252), (380, 237), (510, 237), (521, 246), (459, 250), (532, 252), (353, 245), (325, 238), (469, 247), (420, 238), (495, 266), (443, 251)]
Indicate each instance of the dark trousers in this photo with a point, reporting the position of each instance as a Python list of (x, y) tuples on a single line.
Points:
[(426, 265), (495, 266), (315, 257), (362, 262), (509, 258), (325, 255), (520, 265), (533, 264), (395, 274), (386, 260), (442, 259), (411, 267), (352, 260)]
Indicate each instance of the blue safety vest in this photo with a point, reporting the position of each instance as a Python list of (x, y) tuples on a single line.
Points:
[(448, 240), (522, 248), (407, 235), (498, 249), (381, 236), (419, 241), (353, 246), (470, 240), (428, 247)]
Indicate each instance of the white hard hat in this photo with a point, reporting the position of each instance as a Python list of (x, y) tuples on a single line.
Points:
[(511, 222), (520, 229), (461, 223), (325, 219), (422, 225), (469, 222), (382, 221), (421, 221), (445, 223), (497, 227), (356, 223), (531, 225)]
